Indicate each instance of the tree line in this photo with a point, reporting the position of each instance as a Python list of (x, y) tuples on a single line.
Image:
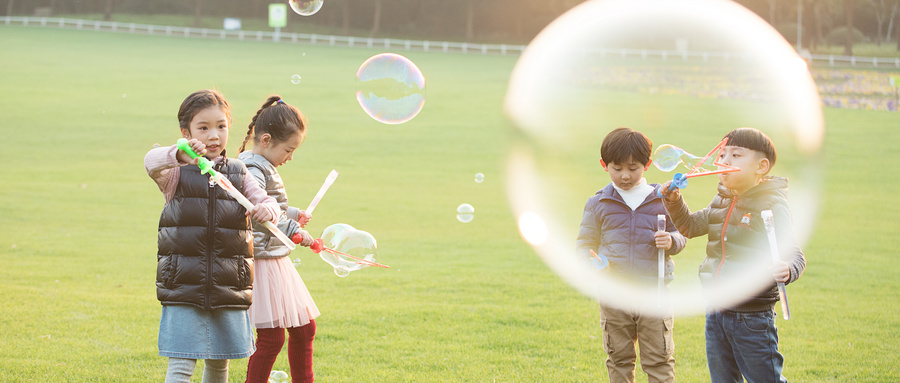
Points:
[(822, 22)]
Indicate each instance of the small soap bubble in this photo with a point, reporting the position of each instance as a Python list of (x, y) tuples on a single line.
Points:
[(306, 7), (390, 88), (465, 213), (296, 262), (295, 79), (667, 157), (278, 377), (124, 95), (479, 178), (155, 145)]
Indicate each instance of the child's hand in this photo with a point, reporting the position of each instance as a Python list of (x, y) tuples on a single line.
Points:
[(669, 195), (303, 218), (781, 272), (261, 214), (305, 238), (198, 148), (663, 240)]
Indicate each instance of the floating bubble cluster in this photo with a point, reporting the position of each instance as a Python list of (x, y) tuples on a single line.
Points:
[(390, 88), (684, 73), (306, 7), (359, 245), (465, 213)]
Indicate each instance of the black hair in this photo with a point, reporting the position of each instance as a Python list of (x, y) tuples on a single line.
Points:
[(753, 139), (625, 143), (198, 101), (278, 119)]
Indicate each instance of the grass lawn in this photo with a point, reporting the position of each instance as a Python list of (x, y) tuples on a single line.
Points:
[(460, 303)]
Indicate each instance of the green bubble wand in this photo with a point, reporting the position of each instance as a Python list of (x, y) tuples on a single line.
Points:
[(206, 167)]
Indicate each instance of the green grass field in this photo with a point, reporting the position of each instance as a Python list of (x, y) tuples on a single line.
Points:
[(460, 303)]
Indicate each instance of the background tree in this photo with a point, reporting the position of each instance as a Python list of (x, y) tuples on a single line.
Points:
[(848, 12)]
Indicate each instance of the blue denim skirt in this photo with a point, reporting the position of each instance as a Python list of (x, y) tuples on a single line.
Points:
[(192, 333)]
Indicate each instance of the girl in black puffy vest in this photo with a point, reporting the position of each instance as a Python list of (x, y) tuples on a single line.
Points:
[(204, 273)]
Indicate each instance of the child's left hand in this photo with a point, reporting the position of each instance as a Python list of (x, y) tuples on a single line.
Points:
[(663, 240), (781, 272), (261, 214), (303, 218)]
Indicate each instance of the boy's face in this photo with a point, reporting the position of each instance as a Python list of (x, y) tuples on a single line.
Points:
[(210, 126), (626, 176), (753, 164)]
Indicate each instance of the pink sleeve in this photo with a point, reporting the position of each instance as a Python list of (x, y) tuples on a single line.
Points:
[(164, 169), (258, 195)]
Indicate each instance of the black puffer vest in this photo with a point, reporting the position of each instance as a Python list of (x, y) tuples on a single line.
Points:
[(205, 254)]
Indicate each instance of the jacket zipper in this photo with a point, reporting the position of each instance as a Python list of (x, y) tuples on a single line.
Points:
[(722, 239), (211, 245)]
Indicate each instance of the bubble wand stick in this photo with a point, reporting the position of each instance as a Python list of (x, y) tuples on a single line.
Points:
[(769, 222), (319, 245), (661, 260), (206, 167), (328, 181)]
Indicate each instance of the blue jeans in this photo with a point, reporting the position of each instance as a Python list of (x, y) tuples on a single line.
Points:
[(743, 345)]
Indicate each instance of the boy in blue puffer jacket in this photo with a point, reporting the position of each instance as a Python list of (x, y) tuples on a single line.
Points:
[(620, 222)]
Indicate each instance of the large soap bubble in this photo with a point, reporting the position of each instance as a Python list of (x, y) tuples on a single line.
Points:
[(306, 7), (684, 73), (348, 249), (390, 88)]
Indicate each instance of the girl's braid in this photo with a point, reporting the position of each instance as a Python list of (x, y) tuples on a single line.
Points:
[(269, 102)]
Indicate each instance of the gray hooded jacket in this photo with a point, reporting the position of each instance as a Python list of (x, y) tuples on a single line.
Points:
[(266, 245)]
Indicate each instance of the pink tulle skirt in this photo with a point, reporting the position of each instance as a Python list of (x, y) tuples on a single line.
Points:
[(280, 298)]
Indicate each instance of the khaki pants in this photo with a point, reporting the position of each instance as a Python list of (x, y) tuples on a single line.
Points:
[(623, 330)]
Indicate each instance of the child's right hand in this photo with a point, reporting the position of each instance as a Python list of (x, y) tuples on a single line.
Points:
[(305, 238), (198, 148), (669, 195)]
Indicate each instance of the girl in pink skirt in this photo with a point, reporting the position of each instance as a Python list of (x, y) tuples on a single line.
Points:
[(280, 298)]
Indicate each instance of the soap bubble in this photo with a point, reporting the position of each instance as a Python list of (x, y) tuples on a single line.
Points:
[(667, 157), (278, 377), (465, 213), (297, 262), (350, 241), (479, 178), (390, 88), (684, 73), (306, 7), (295, 79)]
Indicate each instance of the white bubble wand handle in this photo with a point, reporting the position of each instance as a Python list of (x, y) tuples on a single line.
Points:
[(661, 258), (328, 181), (769, 222), (206, 167)]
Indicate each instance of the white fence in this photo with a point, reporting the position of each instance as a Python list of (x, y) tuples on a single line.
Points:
[(421, 45), (348, 41)]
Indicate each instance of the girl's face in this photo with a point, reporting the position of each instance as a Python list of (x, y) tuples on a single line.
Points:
[(210, 126), (278, 153)]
